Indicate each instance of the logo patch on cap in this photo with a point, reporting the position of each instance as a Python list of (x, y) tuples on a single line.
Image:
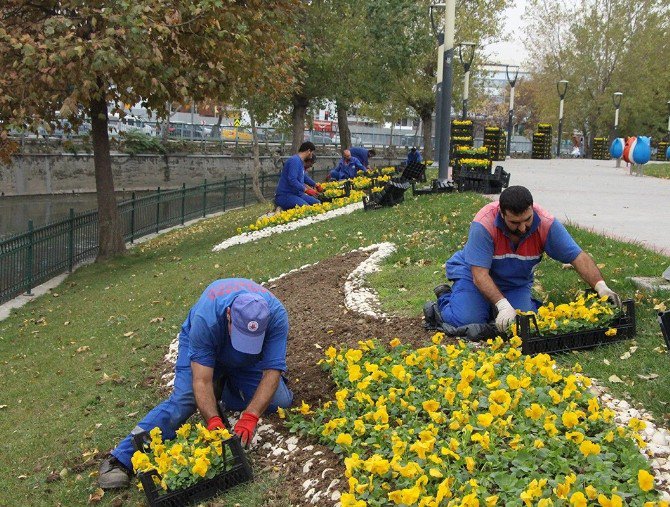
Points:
[(252, 326)]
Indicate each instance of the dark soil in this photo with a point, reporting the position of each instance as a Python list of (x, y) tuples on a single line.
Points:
[(314, 299)]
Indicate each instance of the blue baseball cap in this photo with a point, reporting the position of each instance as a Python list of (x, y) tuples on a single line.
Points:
[(249, 315)]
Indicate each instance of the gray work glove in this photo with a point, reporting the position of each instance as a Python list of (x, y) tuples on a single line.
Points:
[(506, 315), (603, 290)]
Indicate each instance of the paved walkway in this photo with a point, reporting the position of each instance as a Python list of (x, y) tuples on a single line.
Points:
[(595, 194)]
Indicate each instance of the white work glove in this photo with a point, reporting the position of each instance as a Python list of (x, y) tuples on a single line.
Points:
[(603, 290), (506, 315)]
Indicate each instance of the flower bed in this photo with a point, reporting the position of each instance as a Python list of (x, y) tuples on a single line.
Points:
[(293, 214), (448, 425), (361, 182)]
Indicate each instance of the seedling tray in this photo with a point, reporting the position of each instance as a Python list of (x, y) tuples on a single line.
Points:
[(236, 471), (532, 342)]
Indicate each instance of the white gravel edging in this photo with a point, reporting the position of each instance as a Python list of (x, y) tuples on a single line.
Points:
[(357, 296), (248, 237)]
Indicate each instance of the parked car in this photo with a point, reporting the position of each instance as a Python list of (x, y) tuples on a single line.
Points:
[(236, 134), (318, 138), (128, 123)]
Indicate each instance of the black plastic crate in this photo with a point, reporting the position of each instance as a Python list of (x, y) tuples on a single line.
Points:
[(414, 171), (236, 471), (393, 193), (664, 322), (535, 343), (436, 187)]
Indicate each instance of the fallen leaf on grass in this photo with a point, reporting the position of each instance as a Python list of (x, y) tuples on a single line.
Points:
[(96, 496), (129, 334), (156, 319), (606, 361), (83, 348), (651, 376), (615, 380), (625, 355), (600, 265), (132, 414), (3, 406), (660, 307), (660, 349)]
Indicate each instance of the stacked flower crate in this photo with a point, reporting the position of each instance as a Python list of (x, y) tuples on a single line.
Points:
[(495, 140), (661, 152), (600, 149), (542, 142), (467, 155), (461, 135)]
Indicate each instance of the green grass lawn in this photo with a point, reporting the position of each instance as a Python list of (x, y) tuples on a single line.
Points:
[(77, 363), (657, 170)]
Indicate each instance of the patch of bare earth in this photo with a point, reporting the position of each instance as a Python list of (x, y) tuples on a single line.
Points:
[(314, 298)]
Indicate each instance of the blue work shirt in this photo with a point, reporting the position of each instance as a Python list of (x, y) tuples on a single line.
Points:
[(347, 170), (361, 154), (414, 157), (292, 178), (308, 180), (205, 333), (511, 266)]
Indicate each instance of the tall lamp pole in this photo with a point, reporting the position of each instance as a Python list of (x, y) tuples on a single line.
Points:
[(438, 87), (512, 83), (467, 62), (562, 87), (668, 119), (616, 100), (447, 77)]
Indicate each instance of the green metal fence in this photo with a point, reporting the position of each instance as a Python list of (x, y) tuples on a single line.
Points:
[(31, 258)]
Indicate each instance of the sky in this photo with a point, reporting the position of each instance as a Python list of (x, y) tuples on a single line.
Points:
[(513, 52)]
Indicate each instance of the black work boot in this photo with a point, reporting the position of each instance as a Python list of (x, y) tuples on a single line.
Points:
[(442, 289), (113, 474)]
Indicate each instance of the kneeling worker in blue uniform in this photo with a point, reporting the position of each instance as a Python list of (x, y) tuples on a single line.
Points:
[(494, 271), (235, 338), (290, 192), (347, 167)]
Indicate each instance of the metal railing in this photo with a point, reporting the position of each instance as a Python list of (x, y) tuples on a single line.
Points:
[(33, 257)]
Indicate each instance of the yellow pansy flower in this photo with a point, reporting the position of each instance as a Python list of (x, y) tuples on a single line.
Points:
[(645, 480)]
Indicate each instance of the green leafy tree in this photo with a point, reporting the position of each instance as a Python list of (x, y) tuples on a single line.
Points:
[(73, 58), (602, 46)]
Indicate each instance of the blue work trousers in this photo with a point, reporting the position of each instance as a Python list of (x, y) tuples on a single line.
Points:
[(238, 390), (466, 305), (289, 201)]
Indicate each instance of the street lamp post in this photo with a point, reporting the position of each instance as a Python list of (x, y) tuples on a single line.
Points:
[(447, 76), (467, 62), (616, 100), (562, 87), (669, 119), (512, 83), (438, 86)]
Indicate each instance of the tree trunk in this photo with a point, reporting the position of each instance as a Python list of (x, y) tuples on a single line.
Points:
[(216, 129), (298, 115), (255, 151), (110, 235), (427, 122), (343, 126)]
